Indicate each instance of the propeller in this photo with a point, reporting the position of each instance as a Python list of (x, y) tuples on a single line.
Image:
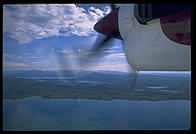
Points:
[(132, 78), (108, 27), (109, 30), (113, 7), (63, 64)]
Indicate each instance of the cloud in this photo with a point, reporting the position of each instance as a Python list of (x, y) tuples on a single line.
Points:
[(40, 65), (13, 62), (116, 55), (113, 67), (65, 51), (10, 57), (43, 63), (109, 66), (107, 10), (117, 46), (29, 22), (7, 66)]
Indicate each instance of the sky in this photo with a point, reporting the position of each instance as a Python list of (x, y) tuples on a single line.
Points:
[(55, 37), (39, 36)]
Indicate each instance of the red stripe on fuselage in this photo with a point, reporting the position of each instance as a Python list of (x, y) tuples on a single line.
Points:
[(177, 27)]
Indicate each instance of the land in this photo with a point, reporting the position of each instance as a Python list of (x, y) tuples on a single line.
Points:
[(110, 86)]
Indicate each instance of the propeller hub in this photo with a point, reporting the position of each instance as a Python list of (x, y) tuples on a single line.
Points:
[(109, 25)]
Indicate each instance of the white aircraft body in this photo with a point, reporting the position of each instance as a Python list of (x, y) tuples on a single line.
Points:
[(155, 38)]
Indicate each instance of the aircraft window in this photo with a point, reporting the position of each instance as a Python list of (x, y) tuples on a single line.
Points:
[(147, 12)]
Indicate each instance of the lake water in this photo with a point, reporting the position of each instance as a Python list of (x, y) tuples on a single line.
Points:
[(34, 113)]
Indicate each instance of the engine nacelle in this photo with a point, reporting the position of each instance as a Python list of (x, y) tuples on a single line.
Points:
[(147, 48)]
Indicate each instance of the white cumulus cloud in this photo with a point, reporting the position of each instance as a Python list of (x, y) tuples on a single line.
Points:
[(29, 22)]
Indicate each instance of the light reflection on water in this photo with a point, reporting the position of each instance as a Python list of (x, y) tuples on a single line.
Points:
[(34, 113)]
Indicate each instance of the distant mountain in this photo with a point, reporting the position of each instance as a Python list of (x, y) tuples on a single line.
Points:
[(35, 73), (79, 74), (41, 73), (111, 72), (30, 73)]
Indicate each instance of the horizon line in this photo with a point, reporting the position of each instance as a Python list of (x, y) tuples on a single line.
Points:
[(101, 71)]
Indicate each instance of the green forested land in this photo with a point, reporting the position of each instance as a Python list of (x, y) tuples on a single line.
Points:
[(18, 88)]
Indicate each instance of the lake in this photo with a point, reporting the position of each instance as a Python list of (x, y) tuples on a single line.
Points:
[(35, 113)]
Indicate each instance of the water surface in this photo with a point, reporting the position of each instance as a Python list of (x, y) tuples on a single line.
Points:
[(34, 113)]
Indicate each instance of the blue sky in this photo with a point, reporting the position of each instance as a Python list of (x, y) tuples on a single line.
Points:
[(36, 37)]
